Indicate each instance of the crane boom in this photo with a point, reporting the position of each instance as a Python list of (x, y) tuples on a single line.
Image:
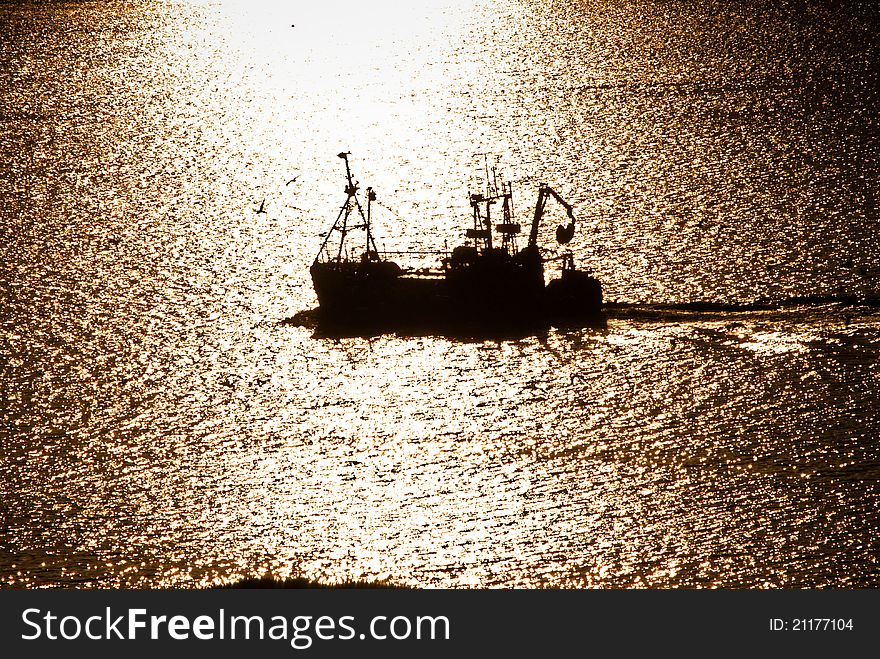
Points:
[(544, 192)]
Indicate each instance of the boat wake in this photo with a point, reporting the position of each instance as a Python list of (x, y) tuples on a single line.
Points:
[(827, 304)]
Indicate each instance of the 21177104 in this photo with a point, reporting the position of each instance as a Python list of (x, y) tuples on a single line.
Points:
[(811, 624)]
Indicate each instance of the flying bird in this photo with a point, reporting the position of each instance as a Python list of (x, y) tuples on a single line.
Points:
[(293, 180), (261, 209)]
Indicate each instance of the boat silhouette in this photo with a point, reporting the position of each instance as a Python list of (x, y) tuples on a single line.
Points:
[(486, 283)]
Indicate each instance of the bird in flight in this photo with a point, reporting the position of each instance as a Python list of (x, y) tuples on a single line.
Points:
[(261, 209), (293, 180)]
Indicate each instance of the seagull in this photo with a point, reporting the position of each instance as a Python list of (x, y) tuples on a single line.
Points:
[(293, 180), (261, 208)]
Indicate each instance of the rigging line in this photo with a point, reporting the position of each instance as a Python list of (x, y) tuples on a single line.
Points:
[(390, 210)]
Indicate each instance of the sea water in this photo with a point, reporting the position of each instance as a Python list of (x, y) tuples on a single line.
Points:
[(164, 424)]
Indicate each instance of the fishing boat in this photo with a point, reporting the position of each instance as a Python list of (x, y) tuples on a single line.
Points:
[(486, 282)]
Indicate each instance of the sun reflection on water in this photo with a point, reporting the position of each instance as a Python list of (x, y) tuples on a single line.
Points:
[(167, 427)]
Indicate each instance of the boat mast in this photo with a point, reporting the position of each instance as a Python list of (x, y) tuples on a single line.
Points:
[(371, 197), (341, 223), (508, 228), (482, 230)]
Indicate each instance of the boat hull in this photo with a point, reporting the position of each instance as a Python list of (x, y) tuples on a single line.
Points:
[(380, 295)]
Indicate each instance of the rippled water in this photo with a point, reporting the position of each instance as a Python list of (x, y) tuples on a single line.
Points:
[(163, 425)]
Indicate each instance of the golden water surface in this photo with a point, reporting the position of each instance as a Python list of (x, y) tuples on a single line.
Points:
[(162, 425)]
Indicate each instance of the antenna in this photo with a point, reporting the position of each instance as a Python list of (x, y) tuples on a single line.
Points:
[(371, 197), (486, 166)]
